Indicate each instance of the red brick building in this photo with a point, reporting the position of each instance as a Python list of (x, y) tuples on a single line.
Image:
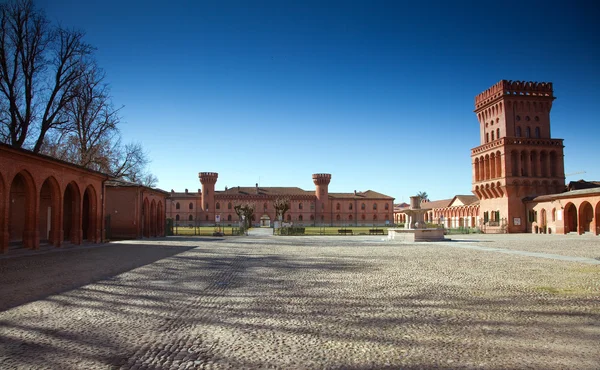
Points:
[(44, 200), (316, 207), (134, 211), (518, 170)]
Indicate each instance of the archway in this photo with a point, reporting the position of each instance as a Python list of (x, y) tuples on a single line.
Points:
[(570, 218), (3, 223), (146, 218), (597, 219), (22, 211), (72, 214), (159, 219), (153, 218), (89, 217), (543, 220), (586, 216), (49, 220)]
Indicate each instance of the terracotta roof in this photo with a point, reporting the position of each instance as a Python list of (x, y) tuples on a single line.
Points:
[(582, 184), (436, 204), (566, 194), (117, 183), (465, 199), (369, 194), (272, 191)]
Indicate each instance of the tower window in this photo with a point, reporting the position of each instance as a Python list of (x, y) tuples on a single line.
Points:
[(537, 132), (537, 119), (218, 206), (493, 136), (527, 119), (528, 132), (487, 137), (518, 118), (497, 133), (518, 131)]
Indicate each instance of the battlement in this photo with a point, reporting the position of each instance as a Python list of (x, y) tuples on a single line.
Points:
[(508, 87), (208, 177), (321, 178)]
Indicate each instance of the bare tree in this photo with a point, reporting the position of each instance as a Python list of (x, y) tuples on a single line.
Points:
[(40, 66), (245, 209), (281, 205)]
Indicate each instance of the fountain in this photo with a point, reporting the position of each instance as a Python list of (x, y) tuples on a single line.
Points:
[(415, 229)]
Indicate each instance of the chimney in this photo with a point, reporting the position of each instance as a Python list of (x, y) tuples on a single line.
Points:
[(354, 192), (186, 191), (256, 188), (199, 191), (225, 187)]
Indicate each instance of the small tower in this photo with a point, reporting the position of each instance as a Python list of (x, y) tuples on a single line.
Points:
[(517, 157), (321, 181), (208, 181)]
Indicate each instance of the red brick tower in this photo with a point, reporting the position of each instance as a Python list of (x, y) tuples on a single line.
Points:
[(321, 181), (517, 157), (208, 181)]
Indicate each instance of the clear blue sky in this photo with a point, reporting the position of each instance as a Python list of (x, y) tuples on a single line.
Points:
[(378, 93)]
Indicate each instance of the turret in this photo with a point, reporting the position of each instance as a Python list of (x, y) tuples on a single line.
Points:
[(321, 181), (208, 181)]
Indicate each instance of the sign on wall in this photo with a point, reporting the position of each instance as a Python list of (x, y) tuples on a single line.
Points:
[(517, 221), (217, 218)]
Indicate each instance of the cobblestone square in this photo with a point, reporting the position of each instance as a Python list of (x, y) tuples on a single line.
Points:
[(305, 302)]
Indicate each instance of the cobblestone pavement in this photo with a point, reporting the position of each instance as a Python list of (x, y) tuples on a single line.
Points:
[(301, 302)]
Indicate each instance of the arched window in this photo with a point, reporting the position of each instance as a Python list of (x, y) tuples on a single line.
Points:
[(299, 205), (228, 217), (363, 217), (191, 205), (493, 136), (218, 206), (518, 131), (374, 206), (300, 218), (350, 217), (177, 206), (487, 137), (176, 217), (497, 133), (350, 206), (338, 217), (528, 132), (363, 206), (206, 208), (190, 218), (553, 214), (206, 218), (337, 207), (387, 206), (537, 132), (229, 205)]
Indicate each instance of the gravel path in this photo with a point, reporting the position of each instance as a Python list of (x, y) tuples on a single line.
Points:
[(301, 302)]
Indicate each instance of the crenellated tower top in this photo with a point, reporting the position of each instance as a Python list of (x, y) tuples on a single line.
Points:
[(208, 177), (321, 178), (508, 87)]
